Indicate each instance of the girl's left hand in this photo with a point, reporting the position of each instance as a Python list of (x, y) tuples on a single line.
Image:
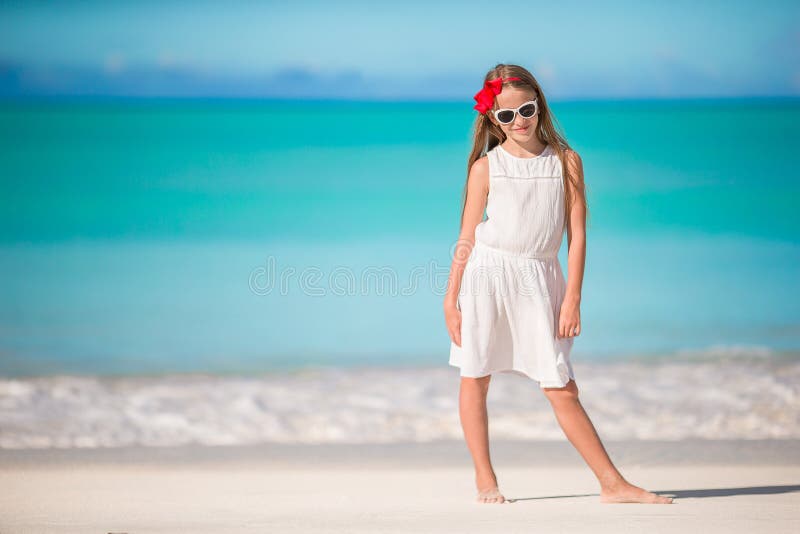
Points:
[(569, 321)]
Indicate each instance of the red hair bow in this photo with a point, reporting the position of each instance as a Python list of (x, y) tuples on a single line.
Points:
[(485, 97)]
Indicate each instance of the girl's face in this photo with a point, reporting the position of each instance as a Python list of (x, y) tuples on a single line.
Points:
[(520, 129)]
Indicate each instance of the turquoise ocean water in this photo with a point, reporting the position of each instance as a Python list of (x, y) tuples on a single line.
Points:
[(238, 236)]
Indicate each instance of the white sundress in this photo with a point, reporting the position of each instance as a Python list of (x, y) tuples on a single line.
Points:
[(513, 285)]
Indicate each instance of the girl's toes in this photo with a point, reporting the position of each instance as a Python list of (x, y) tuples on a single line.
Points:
[(491, 495)]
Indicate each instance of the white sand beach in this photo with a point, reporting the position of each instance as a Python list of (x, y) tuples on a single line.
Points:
[(719, 486)]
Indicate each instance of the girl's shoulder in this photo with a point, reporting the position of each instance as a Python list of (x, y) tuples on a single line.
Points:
[(573, 162), (571, 155), (479, 172), (480, 165)]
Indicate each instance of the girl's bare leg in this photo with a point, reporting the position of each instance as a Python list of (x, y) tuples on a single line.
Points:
[(581, 433), (475, 423)]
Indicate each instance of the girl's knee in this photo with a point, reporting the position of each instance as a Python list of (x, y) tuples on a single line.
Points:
[(568, 392), (479, 383), (476, 380)]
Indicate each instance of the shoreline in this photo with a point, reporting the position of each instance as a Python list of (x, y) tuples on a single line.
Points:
[(441, 453)]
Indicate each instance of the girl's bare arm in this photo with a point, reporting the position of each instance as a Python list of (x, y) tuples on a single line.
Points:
[(576, 230), (477, 193)]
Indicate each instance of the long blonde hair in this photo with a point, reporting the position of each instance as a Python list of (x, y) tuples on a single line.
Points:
[(487, 135)]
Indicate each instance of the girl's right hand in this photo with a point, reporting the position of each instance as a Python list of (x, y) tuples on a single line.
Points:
[(452, 317)]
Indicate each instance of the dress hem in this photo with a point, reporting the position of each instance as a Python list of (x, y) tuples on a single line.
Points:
[(542, 384)]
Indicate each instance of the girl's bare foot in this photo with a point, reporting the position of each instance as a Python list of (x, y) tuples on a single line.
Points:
[(491, 495), (625, 492)]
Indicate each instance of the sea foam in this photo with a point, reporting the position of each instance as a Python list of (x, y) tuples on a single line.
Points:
[(720, 393)]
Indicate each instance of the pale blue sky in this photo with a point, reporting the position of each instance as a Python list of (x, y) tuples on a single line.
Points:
[(409, 50)]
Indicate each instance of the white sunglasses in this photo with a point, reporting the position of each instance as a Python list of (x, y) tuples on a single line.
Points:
[(526, 111)]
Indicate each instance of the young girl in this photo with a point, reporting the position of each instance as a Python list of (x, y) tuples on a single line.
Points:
[(515, 312)]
